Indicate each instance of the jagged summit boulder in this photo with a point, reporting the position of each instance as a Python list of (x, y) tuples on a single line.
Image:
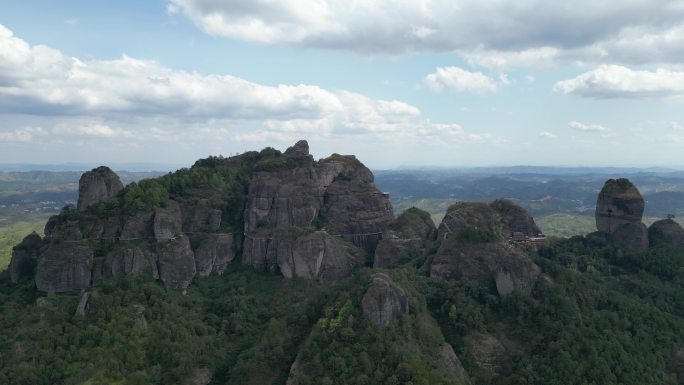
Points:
[(406, 235), (619, 202), (384, 301), (619, 209), (301, 148), (98, 185), (475, 246), (666, 231)]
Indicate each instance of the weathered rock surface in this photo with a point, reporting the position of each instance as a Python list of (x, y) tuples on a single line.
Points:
[(129, 259), (407, 235), (137, 227), (98, 185), (631, 237), (475, 246), (214, 254), (301, 148), (83, 304), (64, 267), (176, 262), (63, 227), (619, 202), (384, 301), (317, 255), (293, 196), (25, 257), (450, 364), (667, 232), (619, 209), (490, 356), (306, 218), (497, 263), (167, 221)]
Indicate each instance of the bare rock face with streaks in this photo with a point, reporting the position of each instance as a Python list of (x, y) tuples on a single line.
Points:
[(619, 209), (64, 267), (25, 258), (475, 246), (176, 262), (619, 202), (294, 206), (98, 185), (384, 301), (131, 260), (214, 254)]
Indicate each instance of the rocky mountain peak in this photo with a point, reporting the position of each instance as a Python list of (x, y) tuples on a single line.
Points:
[(619, 202), (301, 148), (98, 185), (619, 209)]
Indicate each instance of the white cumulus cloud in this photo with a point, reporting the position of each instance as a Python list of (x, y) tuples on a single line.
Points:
[(41, 81), (579, 126), (547, 135), (458, 79), (614, 81), (491, 32)]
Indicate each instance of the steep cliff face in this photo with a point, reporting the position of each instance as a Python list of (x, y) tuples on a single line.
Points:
[(619, 209), (98, 185), (619, 202), (475, 246), (299, 211), (25, 258), (284, 212), (64, 267)]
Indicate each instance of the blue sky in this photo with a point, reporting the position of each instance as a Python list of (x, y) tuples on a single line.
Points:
[(419, 83)]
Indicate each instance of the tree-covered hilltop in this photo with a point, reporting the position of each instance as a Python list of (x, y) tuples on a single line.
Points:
[(274, 268), (596, 316)]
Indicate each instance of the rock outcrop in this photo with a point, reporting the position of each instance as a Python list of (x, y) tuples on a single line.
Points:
[(214, 254), (475, 246), (449, 363), (490, 356), (98, 185), (667, 232), (619, 209), (168, 221), (384, 301), (25, 257), (299, 211), (619, 202), (130, 260), (406, 236), (631, 237), (281, 212), (64, 267), (176, 262)]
